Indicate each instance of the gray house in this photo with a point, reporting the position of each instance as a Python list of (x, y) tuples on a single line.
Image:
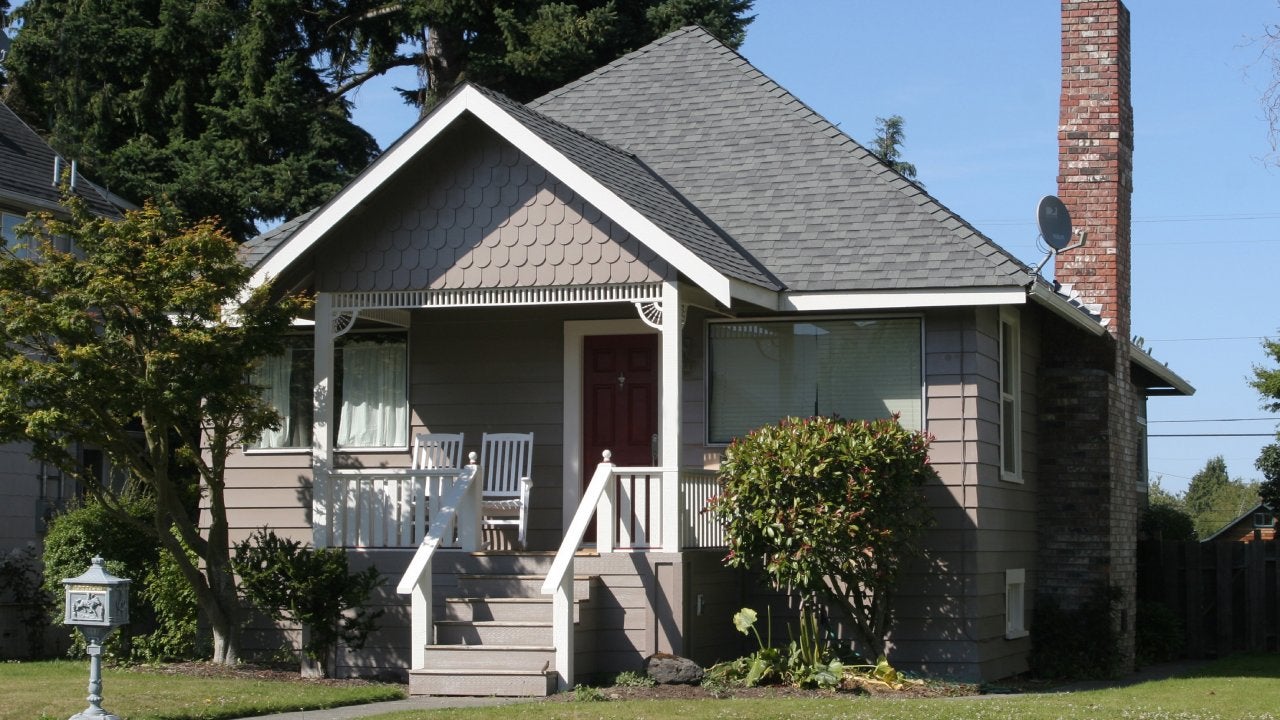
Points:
[(30, 491), (651, 261)]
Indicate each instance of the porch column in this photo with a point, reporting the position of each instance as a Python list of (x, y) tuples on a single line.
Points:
[(322, 420), (669, 424)]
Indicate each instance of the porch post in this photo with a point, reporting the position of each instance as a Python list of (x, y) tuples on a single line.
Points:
[(322, 420), (669, 424)]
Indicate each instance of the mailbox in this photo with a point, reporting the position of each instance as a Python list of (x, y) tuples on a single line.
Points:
[(97, 598)]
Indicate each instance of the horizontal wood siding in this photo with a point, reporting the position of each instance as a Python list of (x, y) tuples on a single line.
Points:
[(19, 496)]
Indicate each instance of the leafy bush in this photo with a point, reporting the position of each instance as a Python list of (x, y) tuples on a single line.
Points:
[(631, 678), (1169, 523), (1080, 643), (831, 508), (21, 583), (91, 528), (173, 602), (313, 588), (1159, 635)]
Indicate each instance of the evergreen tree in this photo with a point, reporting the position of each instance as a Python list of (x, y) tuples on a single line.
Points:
[(1213, 499), (221, 107), (890, 134), (522, 48), (1206, 485)]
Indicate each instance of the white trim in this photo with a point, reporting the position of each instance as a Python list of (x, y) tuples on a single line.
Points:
[(1063, 308), (1008, 317), (497, 297), (469, 99), (575, 332), (1015, 604), (807, 302), (1140, 358)]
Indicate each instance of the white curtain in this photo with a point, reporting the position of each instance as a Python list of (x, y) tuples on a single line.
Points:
[(375, 411), (272, 375)]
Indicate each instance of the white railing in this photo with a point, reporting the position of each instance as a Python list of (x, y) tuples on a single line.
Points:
[(379, 507), (628, 506), (459, 507), (698, 525)]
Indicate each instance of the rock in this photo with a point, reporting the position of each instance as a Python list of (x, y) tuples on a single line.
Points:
[(666, 669)]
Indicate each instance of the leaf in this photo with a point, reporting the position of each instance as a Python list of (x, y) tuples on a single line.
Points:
[(744, 620)]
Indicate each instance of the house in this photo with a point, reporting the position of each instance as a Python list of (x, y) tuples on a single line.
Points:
[(650, 261), (1258, 523), (31, 491)]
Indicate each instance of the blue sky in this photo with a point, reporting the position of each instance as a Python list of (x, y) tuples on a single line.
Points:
[(977, 83)]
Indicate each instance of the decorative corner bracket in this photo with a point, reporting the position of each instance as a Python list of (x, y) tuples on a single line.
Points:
[(651, 313)]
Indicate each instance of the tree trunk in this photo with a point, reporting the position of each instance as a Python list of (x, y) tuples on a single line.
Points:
[(442, 65)]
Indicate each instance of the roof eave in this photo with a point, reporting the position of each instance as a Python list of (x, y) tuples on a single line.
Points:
[(1059, 306), (1174, 384)]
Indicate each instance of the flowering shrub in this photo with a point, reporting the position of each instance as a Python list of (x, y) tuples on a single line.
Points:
[(831, 508)]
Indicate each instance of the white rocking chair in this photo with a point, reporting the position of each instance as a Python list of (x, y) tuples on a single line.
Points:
[(437, 450), (506, 459)]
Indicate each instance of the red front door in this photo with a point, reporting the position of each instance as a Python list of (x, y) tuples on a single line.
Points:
[(620, 391)]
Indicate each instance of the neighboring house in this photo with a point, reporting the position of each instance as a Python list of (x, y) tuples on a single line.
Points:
[(1258, 523), (30, 491), (657, 258)]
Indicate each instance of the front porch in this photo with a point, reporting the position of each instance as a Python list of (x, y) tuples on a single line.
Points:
[(485, 622)]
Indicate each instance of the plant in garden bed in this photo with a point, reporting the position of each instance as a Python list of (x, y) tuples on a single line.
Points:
[(831, 509)]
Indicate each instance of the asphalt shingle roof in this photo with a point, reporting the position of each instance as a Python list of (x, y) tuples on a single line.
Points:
[(808, 202), (635, 184), (26, 169)]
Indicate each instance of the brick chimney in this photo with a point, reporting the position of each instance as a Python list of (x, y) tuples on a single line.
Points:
[(1095, 155), (1088, 443)]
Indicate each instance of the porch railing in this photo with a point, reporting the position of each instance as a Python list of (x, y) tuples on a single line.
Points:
[(378, 507), (632, 512)]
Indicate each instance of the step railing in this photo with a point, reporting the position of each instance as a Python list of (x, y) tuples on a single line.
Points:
[(458, 513), (635, 508)]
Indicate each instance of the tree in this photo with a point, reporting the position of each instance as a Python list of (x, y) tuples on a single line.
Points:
[(119, 341), (1267, 382), (222, 107), (890, 134), (1213, 499), (1271, 95), (522, 48), (831, 508)]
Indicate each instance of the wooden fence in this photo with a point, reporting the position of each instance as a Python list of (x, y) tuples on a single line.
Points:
[(1227, 594)]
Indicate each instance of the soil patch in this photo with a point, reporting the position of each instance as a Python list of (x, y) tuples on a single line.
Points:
[(275, 673)]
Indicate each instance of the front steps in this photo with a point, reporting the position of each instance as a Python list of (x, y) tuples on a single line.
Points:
[(493, 628)]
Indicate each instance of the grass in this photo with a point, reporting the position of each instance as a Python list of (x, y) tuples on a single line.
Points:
[(57, 690), (1240, 687)]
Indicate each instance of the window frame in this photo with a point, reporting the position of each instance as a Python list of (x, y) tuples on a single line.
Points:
[(337, 404), (708, 396), (10, 243), (1009, 368), (1015, 604)]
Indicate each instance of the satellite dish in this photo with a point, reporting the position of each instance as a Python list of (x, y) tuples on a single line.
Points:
[(1054, 222)]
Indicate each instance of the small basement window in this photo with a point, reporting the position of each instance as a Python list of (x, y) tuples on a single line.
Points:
[(1015, 606)]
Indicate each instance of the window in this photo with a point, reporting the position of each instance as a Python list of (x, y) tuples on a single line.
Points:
[(287, 381), (9, 231), (1263, 520), (1010, 399), (763, 371), (1015, 609), (371, 390)]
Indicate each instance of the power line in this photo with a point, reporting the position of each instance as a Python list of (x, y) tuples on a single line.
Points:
[(1272, 419), (1210, 339), (1212, 435)]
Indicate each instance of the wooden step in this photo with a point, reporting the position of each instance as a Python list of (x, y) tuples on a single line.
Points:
[(493, 632), (490, 608), (526, 658), (482, 682), (512, 586)]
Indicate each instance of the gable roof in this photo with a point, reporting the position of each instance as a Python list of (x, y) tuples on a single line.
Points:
[(28, 163), (614, 182), (801, 196)]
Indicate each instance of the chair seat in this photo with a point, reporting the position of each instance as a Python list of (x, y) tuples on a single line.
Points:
[(503, 504)]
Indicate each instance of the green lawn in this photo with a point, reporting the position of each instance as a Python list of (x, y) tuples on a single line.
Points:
[(1239, 687), (57, 690)]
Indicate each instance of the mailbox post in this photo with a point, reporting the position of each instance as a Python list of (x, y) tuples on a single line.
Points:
[(97, 603)]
